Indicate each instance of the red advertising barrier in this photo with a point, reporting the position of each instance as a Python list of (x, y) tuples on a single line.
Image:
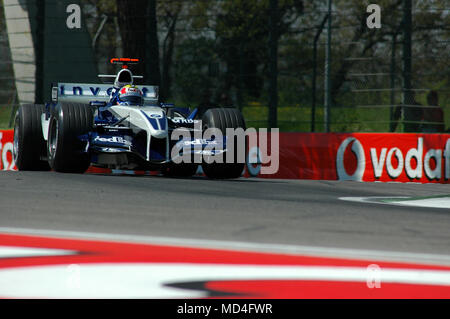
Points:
[(421, 158), (368, 157)]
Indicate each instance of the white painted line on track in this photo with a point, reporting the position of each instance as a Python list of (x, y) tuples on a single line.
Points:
[(429, 202), (437, 202), (421, 258)]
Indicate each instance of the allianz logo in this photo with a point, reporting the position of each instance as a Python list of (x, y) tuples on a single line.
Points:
[(383, 160)]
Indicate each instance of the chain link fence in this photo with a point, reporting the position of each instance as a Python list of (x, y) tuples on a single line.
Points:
[(216, 53)]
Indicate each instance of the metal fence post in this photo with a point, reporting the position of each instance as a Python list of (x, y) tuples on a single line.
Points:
[(407, 92), (240, 86), (40, 47), (392, 97), (327, 96), (314, 76), (273, 64)]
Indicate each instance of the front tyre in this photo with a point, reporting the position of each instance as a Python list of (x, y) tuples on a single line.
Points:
[(29, 144), (223, 118), (65, 150)]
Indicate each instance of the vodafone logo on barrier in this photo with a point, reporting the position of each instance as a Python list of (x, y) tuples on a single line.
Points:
[(358, 150), (406, 162)]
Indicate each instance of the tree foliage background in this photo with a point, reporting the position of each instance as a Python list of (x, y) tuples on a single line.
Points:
[(217, 52)]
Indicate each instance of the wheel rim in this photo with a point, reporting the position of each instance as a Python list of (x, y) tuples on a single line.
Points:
[(53, 139), (16, 140)]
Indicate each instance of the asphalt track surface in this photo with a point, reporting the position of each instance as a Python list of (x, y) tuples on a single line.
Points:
[(292, 212)]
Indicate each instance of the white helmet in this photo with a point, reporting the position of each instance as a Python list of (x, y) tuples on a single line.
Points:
[(130, 95)]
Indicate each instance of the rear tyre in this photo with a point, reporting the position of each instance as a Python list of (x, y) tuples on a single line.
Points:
[(29, 144), (65, 150), (223, 118)]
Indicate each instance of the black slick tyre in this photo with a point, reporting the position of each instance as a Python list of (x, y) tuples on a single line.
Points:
[(223, 118), (29, 144), (64, 148)]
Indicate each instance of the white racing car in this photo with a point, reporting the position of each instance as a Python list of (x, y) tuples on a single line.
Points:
[(122, 127)]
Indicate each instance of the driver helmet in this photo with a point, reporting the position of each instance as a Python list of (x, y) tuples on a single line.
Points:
[(130, 95)]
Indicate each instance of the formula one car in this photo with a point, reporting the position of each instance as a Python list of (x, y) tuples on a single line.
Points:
[(88, 124)]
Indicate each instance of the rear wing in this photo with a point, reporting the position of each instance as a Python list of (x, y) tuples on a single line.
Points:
[(86, 92)]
